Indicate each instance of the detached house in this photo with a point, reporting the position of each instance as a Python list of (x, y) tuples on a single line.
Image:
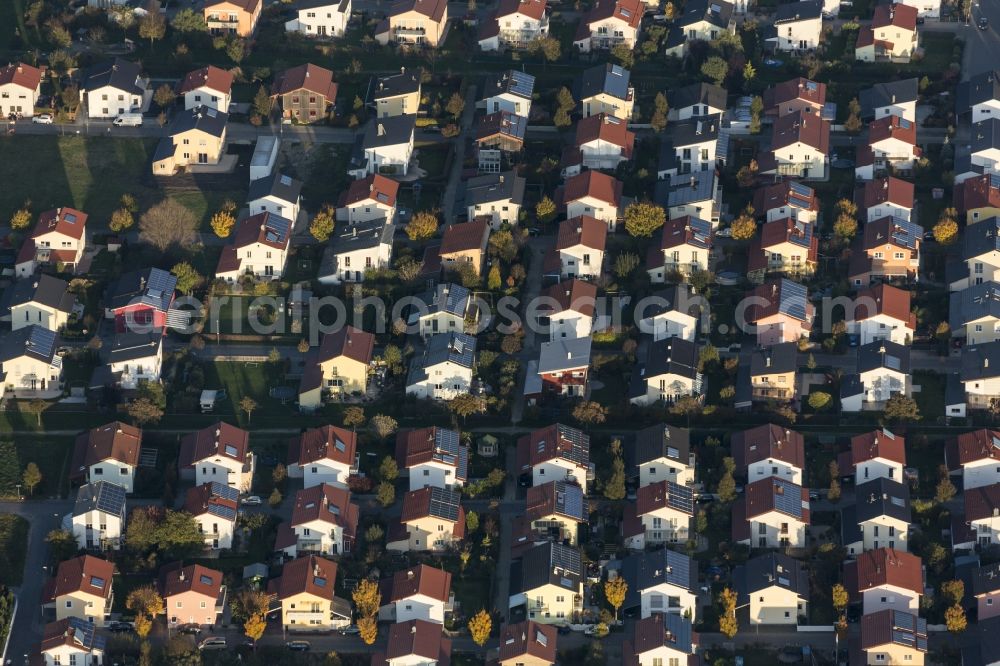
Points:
[(980, 95), (885, 579), (510, 92), (277, 194), (774, 588), (192, 595), (440, 311), (397, 94), (793, 97), (233, 17), (769, 450), (800, 147), (797, 27), (981, 254), (433, 519), (370, 198), (214, 507), (980, 375), (672, 313), (661, 639), (889, 248), (661, 453), (788, 199), (465, 243), (768, 375), (417, 593), (882, 313), (30, 364), (135, 358), (984, 146), (555, 510), (602, 142), (320, 18), (324, 521), (141, 300), (892, 637), (668, 373), (445, 368), (978, 198), (323, 456), (499, 140), (20, 87), (781, 312), (891, 37), (98, 518), (606, 89), (660, 582), (594, 194), (976, 456), (701, 20), (259, 248), (58, 240), (890, 98), (220, 452), (563, 367), (695, 141), (579, 250), (514, 25), (878, 454), (883, 372), (696, 195), (306, 596), (432, 457), (608, 24), (879, 518), (495, 197), (418, 23), (975, 313), (571, 314), (548, 580), (72, 641), (773, 513), (784, 246), (112, 88), (555, 453), (43, 301), (661, 514), (892, 147), (305, 93), (527, 643), (210, 87), (81, 589), (986, 592), (337, 368), (385, 147), (697, 100), (197, 136), (982, 518), (107, 453), (356, 249), (415, 643)]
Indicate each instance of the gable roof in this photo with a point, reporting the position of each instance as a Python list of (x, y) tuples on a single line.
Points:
[(716, 12), (980, 88), (324, 443), (434, 502), (686, 230), (674, 356), (628, 11), (659, 630), (440, 445), (884, 355), (117, 73), (510, 82), (102, 496), (373, 187), (457, 348), (894, 127), (777, 494), (982, 502), (889, 301), (564, 354), (582, 230), (788, 230), (659, 442), (645, 570), (327, 504), (85, 573), (771, 570), (789, 193), (893, 627), (465, 236), (664, 494), (528, 638), (548, 563), (766, 442), (308, 574), (309, 77), (349, 342), (559, 498), (149, 286), (892, 230), (878, 444), (779, 358), (200, 118), (391, 131), (249, 6), (21, 74), (884, 566), (595, 184), (986, 579), (421, 638), (220, 439), (801, 127), (64, 220), (686, 188), (978, 192), (210, 77), (265, 228), (212, 498), (177, 579), (501, 124), (605, 127), (980, 238), (113, 441), (969, 447), (396, 84), (45, 290), (73, 632), (553, 442), (800, 88), (882, 497), (573, 295), (976, 361), (781, 297), (492, 187), (886, 190), (419, 579), (887, 93), (804, 10), (277, 185), (609, 79), (699, 93), (895, 15)]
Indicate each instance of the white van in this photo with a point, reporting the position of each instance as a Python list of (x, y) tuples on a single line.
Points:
[(128, 120)]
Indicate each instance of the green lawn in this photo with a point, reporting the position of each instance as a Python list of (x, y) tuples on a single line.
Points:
[(13, 548), (51, 454), (248, 379), (930, 398)]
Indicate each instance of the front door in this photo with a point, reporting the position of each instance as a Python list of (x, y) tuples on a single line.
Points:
[(202, 158)]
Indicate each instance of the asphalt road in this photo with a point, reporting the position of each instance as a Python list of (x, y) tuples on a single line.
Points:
[(982, 47)]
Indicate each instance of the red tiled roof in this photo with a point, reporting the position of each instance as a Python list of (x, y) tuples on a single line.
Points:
[(651, 633), (678, 232), (577, 295), (582, 230), (465, 236), (420, 638), (770, 293), (878, 444), (653, 497), (416, 447), (784, 230), (326, 503), (229, 260), (768, 442), (176, 579), (886, 190), (350, 342), (301, 574), (629, 11), (879, 628), (544, 444), (374, 187), (86, 573), (892, 127), (212, 441), (605, 127), (982, 502), (760, 498), (534, 9), (592, 184), (885, 566), (890, 301), (56, 635), (421, 579), (976, 192), (982, 444), (801, 127), (540, 501), (22, 75), (66, 221), (432, 9), (308, 77), (777, 195), (417, 505), (321, 444), (800, 88), (113, 441), (254, 229), (518, 640), (249, 6), (896, 15), (200, 498), (210, 77)]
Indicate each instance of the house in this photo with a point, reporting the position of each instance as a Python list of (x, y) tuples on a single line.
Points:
[(986, 591), (882, 313), (984, 145), (795, 96), (415, 643), (511, 91), (320, 18), (58, 239), (768, 375), (982, 508), (323, 456), (979, 376), (885, 579), (527, 643), (440, 311), (660, 582), (499, 139), (114, 87), (797, 27), (259, 248), (385, 147), (555, 453), (324, 521), (606, 89), (593, 194), (496, 197), (135, 358), (784, 200), (668, 373), (196, 137), (416, 593), (980, 95), (602, 142), (30, 365), (548, 580), (976, 456), (981, 254), (305, 93), (514, 25), (433, 519), (892, 147), (107, 453), (277, 193), (780, 311), (769, 450), (579, 250), (978, 198), (672, 313), (661, 453), (889, 248), (695, 141), (370, 198), (891, 37), (356, 249), (800, 147), (214, 507), (661, 639), (338, 367), (220, 452), (697, 100), (890, 98), (419, 23), (43, 301), (141, 300), (98, 518), (662, 514), (465, 243), (701, 20), (397, 94), (570, 307), (883, 372), (81, 589), (555, 510), (878, 454), (192, 595), (563, 365), (786, 246), (697, 195), (210, 87), (774, 588), (925, 8), (608, 24), (432, 457), (974, 312), (892, 636), (773, 513), (72, 641), (20, 87), (445, 368), (879, 518), (305, 592)]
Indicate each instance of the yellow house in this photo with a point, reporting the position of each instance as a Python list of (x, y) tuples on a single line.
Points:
[(414, 23), (465, 243), (556, 507), (337, 368), (232, 17), (433, 519), (397, 95), (197, 136), (550, 586), (606, 89), (769, 374), (978, 198), (893, 637), (81, 589), (44, 301), (304, 592)]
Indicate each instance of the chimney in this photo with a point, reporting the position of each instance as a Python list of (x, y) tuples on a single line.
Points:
[(413, 629), (569, 356), (409, 575), (381, 129), (180, 576)]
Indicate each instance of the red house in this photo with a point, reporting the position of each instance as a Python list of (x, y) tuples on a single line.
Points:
[(562, 367), (141, 299)]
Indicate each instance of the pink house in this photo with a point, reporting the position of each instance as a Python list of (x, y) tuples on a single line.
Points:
[(193, 594), (781, 311), (986, 590)]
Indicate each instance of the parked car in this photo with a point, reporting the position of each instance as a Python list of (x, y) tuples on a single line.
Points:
[(119, 627), (350, 631), (984, 23), (252, 500), (189, 629), (298, 646), (42, 119), (213, 643)]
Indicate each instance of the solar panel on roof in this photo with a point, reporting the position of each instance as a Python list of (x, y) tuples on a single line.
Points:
[(522, 83), (224, 512), (787, 498), (83, 631), (110, 498), (41, 341), (903, 638), (793, 299), (225, 492), (906, 233), (444, 504), (97, 581), (278, 225), (320, 582), (446, 440), (161, 281), (677, 569), (902, 620), (205, 580), (285, 180), (680, 497), (70, 217), (811, 86), (566, 558)]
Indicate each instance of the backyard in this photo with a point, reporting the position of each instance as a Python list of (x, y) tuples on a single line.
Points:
[(13, 548)]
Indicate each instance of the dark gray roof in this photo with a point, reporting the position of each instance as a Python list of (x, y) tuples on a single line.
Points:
[(131, 345), (660, 441), (103, 496), (149, 286), (450, 298), (974, 302), (717, 12), (403, 83), (316, 4), (698, 93), (358, 236), (985, 135), (771, 570), (886, 94), (42, 289), (984, 649), (512, 82), (658, 567), (608, 78), (120, 74), (954, 390), (981, 237), (281, 187), (494, 187), (671, 356), (686, 188), (783, 358), (678, 298), (459, 348), (850, 386), (34, 341), (389, 131), (798, 11), (550, 563), (564, 354), (882, 497), (850, 530), (980, 88), (884, 354), (986, 578), (667, 159), (980, 361), (695, 130), (202, 118)]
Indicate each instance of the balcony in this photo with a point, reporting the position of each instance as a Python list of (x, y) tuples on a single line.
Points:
[(409, 32)]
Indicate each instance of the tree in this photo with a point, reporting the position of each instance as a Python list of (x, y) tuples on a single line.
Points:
[(471, 522), (279, 474), (727, 488), (833, 494), (222, 223), (819, 400), (946, 231), (168, 224), (36, 407), (275, 498), (62, 545), (480, 626), (625, 263), (624, 54), (262, 102), (464, 405), (121, 220), (643, 218), (386, 493), (749, 72), (248, 404), (321, 227), (900, 408), (353, 417), (455, 105), (728, 625), (945, 490), (953, 591), (187, 20), (955, 620), (614, 591), (389, 469), (853, 124), (383, 425), (236, 49), (840, 598), (60, 36), (744, 227), (422, 226), (128, 202), (614, 489), (590, 412), (660, 110), (846, 227), (188, 278), (254, 627), (20, 219), (368, 630), (367, 598), (547, 47), (545, 209), (493, 282), (715, 68), (31, 477), (146, 603), (164, 96), (152, 26), (143, 411)]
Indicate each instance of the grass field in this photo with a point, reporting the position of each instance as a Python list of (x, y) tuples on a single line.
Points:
[(248, 379), (13, 548)]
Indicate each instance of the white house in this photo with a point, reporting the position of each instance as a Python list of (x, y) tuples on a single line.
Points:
[(695, 141), (925, 8), (607, 89), (324, 522), (594, 194), (276, 194), (98, 518), (72, 640), (20, 86), (685, 248), (883, 372), (107, 453), (324, 455), (890, 98), (209, 86), (548, 581), (58, 240), (882, 312), (495, 196), (320, 18), (515, 24), (797, 26), (114, 87), (774, 587), (555, 453), (136, 357), (511, 91), (697, 195), (370, 198), (976, 457), (701, 20), (356, 249), (579, 250), (259, 248), (878, 454), (672, 313), (661, 639), (769, 450), (602, 141), (43, 301), (445, 368), (980, 375), (432, 457), (415, 643), (570, 307), (30, 363), (661, 453), (697, 99), (800, 146), (892, 146), (661, 514), (884, 197), (214, 507), (416, 593), (980, 95), (773, 513), (442, 310), (668, 373), (982, 514), (891, 36), (880, 517), (432, 519), (220, 452), (659, 582), (385, 147), (609, 23), (885, 578)]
